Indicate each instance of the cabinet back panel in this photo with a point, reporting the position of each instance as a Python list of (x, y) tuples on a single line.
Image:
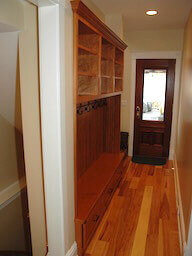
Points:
[(112, 125), (98, 131)]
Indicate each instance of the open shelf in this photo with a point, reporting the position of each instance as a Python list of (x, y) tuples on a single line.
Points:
[(88, 85), (98, 64), (88, 38), (118, 56), (81, 47), (107, 50), (87, 74), (106, 85), (118, 85), (87, 63), (106, 67), (118, 70), (93, 182)]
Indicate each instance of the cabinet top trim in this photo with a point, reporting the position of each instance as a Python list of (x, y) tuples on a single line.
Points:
[(82, 10)]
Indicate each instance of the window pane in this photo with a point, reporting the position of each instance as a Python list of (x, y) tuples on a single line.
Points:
[(154, 94)]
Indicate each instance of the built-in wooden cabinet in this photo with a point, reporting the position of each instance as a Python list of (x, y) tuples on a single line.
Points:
[(98, 56), (98, 83)]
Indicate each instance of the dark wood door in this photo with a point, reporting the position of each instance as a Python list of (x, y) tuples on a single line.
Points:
[(153, 107)]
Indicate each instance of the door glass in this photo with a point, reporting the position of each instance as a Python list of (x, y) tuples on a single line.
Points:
[(154, 94)]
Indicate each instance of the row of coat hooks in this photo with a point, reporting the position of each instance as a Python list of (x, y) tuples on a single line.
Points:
[(90, 105)]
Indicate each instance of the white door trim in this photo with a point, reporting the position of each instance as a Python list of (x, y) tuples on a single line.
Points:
[(155, 55)]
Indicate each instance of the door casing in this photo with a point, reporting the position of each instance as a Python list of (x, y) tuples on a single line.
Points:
[(153, 131)]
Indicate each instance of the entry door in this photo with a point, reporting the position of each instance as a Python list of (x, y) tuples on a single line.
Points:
[(153, 107)]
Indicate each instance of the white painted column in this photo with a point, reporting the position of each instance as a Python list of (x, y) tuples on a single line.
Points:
[(56, 89), (49, 43)]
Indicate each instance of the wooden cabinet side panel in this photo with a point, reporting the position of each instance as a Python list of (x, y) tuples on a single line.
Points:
[(75, 85), (79, 236)]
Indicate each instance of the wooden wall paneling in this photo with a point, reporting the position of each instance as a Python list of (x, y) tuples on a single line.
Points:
[(79, 236), (113, 75), (99, 68), (90, 136), (75, 84), (112, 125), (117, 123)]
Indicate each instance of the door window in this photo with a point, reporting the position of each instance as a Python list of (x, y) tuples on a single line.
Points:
[(154, 90)]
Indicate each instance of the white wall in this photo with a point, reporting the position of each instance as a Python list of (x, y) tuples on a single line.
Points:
[(30, 106), (12, 231), (11, 147), (10, 107), (96, 10), (11, 15), (12, 167), (155, 40), (115, 22)]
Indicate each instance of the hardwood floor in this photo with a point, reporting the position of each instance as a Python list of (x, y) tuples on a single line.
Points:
[(142, 217)]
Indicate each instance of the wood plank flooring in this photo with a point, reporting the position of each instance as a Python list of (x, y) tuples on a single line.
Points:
[(142, 217)]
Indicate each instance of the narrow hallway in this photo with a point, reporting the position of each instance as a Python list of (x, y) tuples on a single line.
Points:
[(142, 217)]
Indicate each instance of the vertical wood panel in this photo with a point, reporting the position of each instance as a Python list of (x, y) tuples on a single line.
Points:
[(98, 131)]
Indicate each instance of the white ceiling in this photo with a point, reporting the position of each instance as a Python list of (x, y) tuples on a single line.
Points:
[(172, 13)]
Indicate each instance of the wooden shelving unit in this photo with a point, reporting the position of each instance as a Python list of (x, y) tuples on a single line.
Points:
[(88, 60), (99, 61), (119, 68), (98, 82)]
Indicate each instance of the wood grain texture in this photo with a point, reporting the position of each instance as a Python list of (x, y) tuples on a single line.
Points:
[(142, 226), (82, 10), (98, 131), (142, 216), (96, 66)]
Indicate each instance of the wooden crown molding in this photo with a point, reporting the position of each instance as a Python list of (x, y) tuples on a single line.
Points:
[(82, 10)]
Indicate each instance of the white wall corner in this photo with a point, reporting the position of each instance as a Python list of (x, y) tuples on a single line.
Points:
[(41, 3), (73, 250), (64, 3)]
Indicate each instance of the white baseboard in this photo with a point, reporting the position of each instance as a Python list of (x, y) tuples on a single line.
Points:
[(181, 224), (73, 250)]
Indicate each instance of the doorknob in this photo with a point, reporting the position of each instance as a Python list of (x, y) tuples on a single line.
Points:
[(138, 112)]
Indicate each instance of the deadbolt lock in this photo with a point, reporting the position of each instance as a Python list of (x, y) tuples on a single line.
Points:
[(138, 112)]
